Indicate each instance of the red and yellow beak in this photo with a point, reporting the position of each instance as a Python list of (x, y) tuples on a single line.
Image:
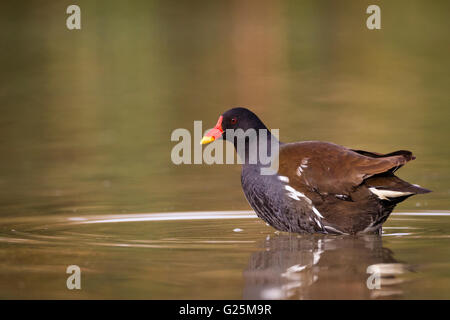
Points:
[(214, 133)]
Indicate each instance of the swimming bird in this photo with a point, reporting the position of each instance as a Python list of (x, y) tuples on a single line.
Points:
[(315, 187)]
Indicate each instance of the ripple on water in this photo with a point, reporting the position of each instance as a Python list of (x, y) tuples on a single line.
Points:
[(60, 229), (183, 254)]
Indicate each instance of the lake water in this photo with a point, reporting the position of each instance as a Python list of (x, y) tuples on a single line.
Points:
[(220, 255), (86, 117)]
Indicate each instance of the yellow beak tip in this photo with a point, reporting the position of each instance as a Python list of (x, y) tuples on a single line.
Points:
[(206, 140)]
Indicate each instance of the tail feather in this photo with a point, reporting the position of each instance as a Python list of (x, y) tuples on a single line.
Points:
[(390, 187), (394, 183), (402, 157), (405, 153), (387, 186)]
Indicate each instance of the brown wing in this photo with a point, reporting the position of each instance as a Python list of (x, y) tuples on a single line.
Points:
[(329, 168)]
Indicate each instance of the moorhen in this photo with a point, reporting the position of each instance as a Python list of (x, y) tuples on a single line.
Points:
[(319, 187)]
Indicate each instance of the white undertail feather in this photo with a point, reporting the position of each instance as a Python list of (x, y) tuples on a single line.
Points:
[(386, 194)]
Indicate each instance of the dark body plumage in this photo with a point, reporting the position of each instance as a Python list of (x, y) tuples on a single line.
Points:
[(321, 187)]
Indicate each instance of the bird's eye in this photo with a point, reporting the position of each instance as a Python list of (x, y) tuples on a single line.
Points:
[(233, 120)]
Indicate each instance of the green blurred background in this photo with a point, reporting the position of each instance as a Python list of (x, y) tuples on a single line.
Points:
[(86, 115)]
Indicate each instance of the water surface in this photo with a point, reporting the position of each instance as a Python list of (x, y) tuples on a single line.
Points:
[(220, 255)]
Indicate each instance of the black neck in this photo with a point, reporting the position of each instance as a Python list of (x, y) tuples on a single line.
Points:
[(258, 147)]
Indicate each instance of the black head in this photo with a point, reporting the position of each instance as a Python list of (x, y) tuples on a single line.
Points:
[(241, 118), (234, 119)]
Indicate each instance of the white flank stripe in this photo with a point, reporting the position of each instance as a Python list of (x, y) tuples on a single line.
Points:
[(294, 194), (318, 222), (333, 229), (317, 212)]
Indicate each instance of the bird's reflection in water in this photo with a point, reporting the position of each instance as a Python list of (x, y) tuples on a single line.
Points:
[(323, 267)]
